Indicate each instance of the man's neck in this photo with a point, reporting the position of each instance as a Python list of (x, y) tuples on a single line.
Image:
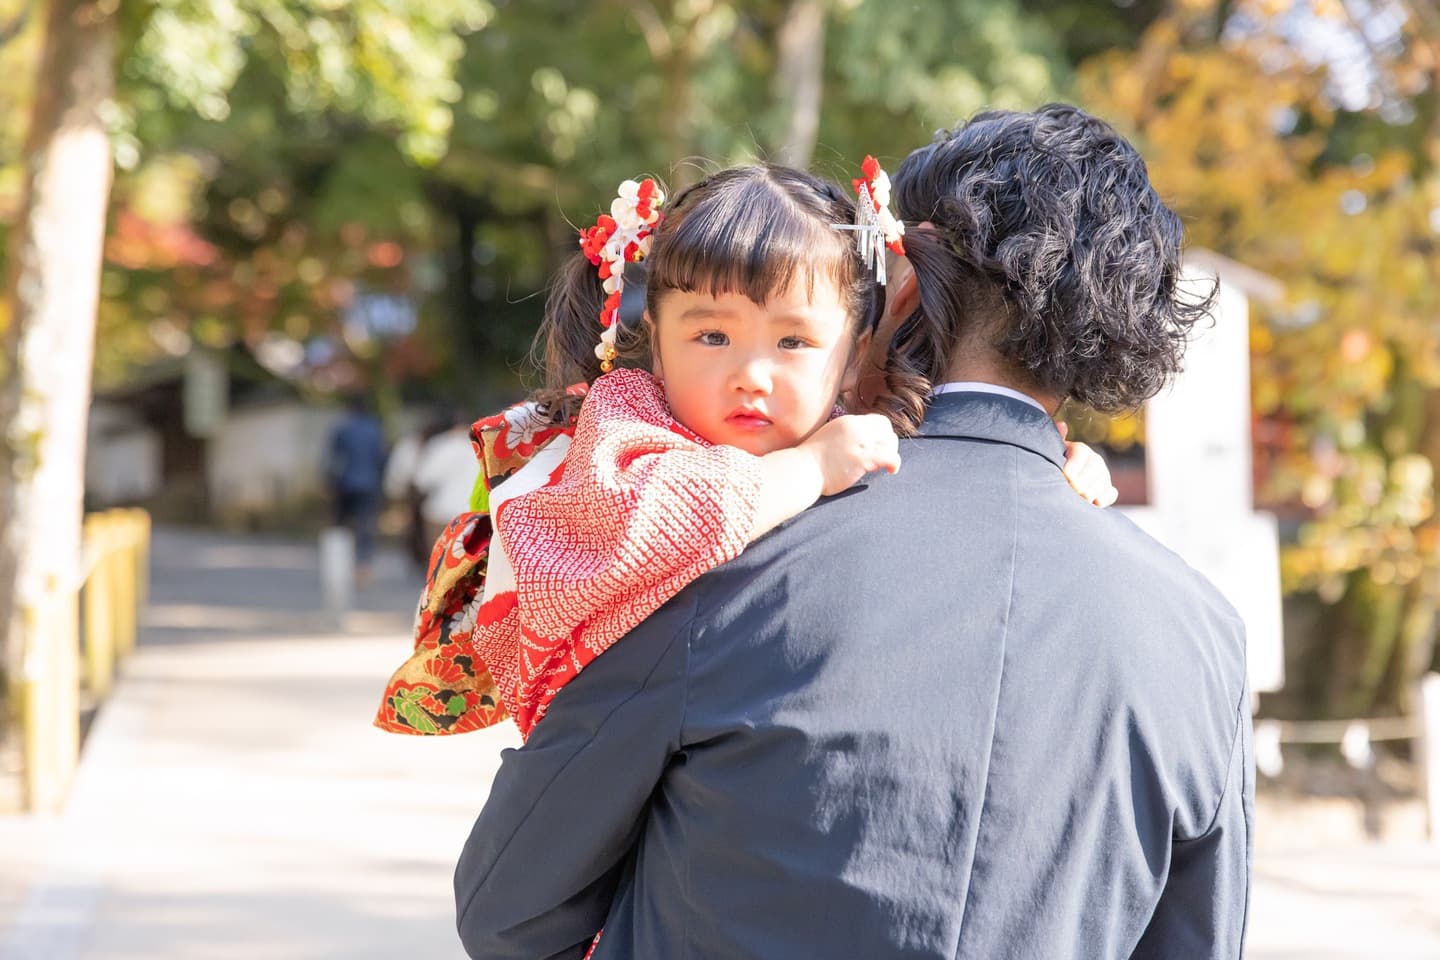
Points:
[(973, 370)]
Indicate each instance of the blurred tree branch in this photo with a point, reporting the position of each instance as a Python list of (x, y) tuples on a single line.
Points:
[(652, 27), (799, 78), (12, 28), (1383, 77)]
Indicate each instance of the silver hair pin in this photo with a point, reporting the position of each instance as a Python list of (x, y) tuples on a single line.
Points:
[(869, 232)]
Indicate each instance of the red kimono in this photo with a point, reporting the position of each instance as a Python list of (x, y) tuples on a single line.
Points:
[(598, 527)]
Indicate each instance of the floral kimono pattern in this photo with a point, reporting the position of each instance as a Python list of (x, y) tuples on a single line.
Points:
[(441, 688)]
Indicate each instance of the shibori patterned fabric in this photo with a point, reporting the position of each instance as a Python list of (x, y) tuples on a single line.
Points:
[(639, 508), (441, 688), (597, 531)]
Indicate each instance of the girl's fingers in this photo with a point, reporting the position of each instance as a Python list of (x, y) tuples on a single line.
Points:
[(1088, 473), (889, 461)]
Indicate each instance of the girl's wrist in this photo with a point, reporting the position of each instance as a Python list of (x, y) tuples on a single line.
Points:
[(809, 469)]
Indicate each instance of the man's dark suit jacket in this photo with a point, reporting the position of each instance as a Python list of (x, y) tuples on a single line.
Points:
[(956, 712)]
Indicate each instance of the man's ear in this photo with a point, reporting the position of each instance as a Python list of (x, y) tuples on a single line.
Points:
[(655, 368), (902, 294)]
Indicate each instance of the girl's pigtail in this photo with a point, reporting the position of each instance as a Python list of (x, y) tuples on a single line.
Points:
[(581, 336), (564, 346), (919, 350)]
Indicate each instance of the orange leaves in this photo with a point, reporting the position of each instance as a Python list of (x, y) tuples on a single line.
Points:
[(1241, 138)]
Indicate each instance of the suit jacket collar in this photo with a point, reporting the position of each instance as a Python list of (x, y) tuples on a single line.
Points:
[(994, 418)]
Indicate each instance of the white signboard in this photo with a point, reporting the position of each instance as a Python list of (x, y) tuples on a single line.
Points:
[(1198, 465), (1197, 432), (1242, 558), (205, 393)]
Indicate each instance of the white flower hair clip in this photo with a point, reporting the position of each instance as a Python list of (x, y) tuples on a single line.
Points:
[(875, 226), (620, 237)]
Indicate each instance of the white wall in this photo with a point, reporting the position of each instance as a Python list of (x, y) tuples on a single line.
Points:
[(122, 457), (269, 456)]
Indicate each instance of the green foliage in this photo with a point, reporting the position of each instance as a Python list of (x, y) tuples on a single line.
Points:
[(1086, 28), (388, 62), (288, 141), (900, 76)]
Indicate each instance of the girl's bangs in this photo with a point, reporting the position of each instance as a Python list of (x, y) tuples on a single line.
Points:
[(752, 240)]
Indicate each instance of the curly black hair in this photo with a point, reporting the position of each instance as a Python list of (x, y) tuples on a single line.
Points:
[(1051, 243)]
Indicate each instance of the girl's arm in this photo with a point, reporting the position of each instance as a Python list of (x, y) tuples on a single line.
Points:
[(831, 460), (847, 448)]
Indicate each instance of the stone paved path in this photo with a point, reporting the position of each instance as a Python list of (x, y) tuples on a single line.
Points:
[(234, 802)]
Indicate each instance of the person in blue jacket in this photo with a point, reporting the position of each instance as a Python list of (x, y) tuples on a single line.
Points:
[(355, 469)]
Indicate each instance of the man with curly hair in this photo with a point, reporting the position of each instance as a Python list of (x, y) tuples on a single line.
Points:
[(952, 713)]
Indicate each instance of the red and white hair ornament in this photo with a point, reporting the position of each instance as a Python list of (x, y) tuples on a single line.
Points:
[(875, 226), (620, 237)]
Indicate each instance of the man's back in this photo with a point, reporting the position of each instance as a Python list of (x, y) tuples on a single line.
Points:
[(958, 713)]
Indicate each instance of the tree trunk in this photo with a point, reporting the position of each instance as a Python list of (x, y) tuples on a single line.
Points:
[(1423, 655), (676, 124), (799, 80), (1384, 637), (52, 292), (472, 338)]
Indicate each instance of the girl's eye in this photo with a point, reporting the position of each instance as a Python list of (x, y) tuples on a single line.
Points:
[(713, 338), (792, 343)]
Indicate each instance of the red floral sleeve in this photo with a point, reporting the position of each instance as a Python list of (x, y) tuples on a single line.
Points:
[(442, 687)]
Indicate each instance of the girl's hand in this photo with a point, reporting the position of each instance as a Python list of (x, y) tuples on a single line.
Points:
[(847, 448), (1086, 471)]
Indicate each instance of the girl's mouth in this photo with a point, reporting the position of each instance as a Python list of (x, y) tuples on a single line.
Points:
[(748, 419)]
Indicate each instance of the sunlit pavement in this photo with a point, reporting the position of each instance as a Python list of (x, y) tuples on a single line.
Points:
[(234, 801), (1358, 902)]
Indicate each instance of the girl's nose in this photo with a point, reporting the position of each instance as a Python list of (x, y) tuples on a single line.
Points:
[(752, 376)]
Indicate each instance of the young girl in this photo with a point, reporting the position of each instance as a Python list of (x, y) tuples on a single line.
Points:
[(757, 297)]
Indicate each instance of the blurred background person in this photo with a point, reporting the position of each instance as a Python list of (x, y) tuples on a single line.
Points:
[(355, 468), (400, 471), (445, 471)]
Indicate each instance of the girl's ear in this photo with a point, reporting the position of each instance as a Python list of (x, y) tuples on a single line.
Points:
[(859, 358), (655, 368), (902, 293)]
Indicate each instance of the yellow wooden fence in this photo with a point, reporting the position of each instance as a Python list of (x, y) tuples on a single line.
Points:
[(84, 636)]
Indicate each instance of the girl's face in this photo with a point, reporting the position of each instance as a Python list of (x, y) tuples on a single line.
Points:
[(761, 377)]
